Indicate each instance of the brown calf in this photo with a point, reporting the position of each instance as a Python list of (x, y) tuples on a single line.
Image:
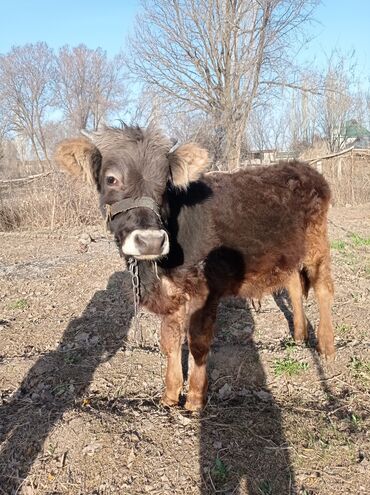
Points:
[(247, 233)]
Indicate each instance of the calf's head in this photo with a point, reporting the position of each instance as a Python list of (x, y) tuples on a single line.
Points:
[(132, 167)]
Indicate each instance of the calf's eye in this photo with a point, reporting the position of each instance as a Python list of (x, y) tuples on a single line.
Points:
[(111, 181)]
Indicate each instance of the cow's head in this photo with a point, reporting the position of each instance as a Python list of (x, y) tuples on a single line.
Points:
[(132, 168)]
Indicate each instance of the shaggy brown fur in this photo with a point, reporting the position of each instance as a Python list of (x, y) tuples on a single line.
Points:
[(248, 233)]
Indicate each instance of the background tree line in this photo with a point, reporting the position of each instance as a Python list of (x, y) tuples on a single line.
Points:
[(45, 96), (224, 72)]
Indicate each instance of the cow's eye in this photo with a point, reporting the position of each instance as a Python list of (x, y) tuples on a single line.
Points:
[(110, 180)]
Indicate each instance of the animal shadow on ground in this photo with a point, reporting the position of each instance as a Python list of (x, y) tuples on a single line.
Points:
[(243, 449), (59, 378), (283, 303)]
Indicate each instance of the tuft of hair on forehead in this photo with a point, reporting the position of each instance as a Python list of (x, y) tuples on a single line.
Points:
[(110, 138)]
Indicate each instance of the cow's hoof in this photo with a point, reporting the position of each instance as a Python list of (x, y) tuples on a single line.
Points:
[(327, 350), (300, 334), (194, 405), (167, 401)]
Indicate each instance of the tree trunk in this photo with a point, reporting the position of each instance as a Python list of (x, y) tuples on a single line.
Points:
[(231, 136), (36, 151)]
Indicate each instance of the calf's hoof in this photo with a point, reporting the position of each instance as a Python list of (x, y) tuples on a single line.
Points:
[(168, 401), (194, 404), (300, 337), (300, 334), (326, 350)]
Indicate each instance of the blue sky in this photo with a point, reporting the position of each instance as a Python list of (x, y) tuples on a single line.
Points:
[(103, 23), (343, 25), (106, 23)]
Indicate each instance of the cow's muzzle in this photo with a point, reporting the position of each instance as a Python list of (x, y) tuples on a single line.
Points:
[(146, 244)]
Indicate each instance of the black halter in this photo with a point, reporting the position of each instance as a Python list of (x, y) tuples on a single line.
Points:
[(130, 204)]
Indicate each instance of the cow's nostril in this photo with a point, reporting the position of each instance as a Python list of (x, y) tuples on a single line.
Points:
[(163, 240), (141, 241)]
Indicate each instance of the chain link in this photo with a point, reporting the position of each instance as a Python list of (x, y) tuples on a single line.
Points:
[(133, 268)]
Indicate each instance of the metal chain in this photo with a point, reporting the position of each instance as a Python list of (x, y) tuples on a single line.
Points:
[(133, 268)]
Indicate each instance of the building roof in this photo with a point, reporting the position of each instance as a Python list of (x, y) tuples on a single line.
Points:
[(355, 130), (362, 143)]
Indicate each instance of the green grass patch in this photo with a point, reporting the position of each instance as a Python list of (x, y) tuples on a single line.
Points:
[(60, 389), (72, 358), (220, 471), (338, 245), (265, 488), (19, 304), (358, 240), (343, 328), (356, 421), (360, 368), (289, 366), (289, 344), (353, 240)]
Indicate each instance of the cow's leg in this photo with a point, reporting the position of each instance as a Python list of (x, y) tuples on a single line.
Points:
[(172, 336), (321, 280), (294, 287), (200, 336)]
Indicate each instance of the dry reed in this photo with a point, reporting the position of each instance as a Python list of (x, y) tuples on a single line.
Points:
[(54, 201)]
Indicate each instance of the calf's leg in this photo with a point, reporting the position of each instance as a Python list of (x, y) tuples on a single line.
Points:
[(320, 277), (200, 336), (172, 336), (294, 287), (317, 264)]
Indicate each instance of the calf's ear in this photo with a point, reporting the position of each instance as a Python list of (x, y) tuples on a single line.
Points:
[(79, 157), (187, 163)]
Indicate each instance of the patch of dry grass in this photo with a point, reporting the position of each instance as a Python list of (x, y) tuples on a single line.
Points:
[(51, 202)]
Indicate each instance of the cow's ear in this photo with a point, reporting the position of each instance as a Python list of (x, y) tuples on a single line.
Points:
[(188, 163), (79, 157)]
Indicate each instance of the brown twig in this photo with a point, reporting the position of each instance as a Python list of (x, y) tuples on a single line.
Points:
[(25, 179)]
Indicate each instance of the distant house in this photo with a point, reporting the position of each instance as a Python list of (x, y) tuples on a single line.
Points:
[(355, 135), (266, 157), (260, 157), (362, 143)]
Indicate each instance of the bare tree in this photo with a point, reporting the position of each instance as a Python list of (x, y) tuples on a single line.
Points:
[(11, 166), (3, 128), (320, 112), (340, 101), (148, 106), (26, 75), (268, 125), (182, 122), (367, 105), (303, 112), (89, 86), (217, 56)]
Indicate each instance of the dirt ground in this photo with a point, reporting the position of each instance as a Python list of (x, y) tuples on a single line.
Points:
[(79, 392)]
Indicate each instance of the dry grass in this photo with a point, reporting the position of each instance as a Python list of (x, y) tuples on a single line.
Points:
[(348, 176), (50, 202)]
